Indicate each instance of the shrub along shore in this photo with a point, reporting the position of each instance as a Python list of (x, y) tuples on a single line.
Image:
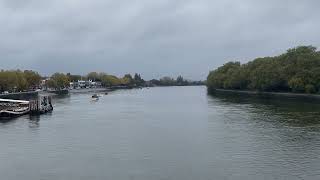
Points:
[(296, 71)]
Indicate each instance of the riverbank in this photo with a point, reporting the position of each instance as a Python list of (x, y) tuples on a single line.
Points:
[(85, 90), (34, 94), (31, 94), (20, 95), (267, 94)]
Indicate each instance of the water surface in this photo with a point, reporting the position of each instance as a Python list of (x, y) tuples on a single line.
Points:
[(174, 133)]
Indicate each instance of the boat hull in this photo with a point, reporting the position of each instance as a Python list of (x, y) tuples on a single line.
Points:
[(12, 114)]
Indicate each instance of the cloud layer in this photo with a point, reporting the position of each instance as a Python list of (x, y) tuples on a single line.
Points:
[(154, 38)]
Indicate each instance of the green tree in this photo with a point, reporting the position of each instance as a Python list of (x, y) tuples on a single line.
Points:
[(32, 78), (74, 78), (297, 70), (297, 84), (94, 76), (59, 81), (109, 80), (167, 81), (138, 80), (127, 79)]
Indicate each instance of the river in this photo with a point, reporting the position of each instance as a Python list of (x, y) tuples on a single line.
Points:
[(164, 133)]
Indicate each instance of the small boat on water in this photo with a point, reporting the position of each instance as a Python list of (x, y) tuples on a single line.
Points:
[(95, 97)]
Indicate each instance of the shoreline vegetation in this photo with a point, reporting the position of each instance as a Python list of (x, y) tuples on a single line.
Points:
[(19, 82), (294, 73)]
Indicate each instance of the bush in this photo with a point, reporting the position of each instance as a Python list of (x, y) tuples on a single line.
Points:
[(310, 89)]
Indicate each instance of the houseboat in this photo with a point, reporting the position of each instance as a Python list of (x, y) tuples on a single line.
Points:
[(12, 108)]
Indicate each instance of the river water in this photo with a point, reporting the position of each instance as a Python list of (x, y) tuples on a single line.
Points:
[(167, 133)]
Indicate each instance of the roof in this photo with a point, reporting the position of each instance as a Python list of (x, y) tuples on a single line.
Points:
[(13, 101)]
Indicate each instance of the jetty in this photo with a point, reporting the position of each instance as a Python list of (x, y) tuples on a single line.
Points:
[(10, 108)]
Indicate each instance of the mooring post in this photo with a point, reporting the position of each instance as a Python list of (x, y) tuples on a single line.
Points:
[(37, 106)]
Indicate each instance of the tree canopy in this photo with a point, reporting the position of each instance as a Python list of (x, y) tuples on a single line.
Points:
[(58, 81), (179, 81), (297, 70), (16, 80)]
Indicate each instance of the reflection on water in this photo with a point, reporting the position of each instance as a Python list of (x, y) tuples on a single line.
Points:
[(279, 135), (34, 121), (164, 133), (292, 111)]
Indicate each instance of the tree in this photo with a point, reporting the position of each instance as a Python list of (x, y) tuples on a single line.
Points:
[(309, 88), (74, 78), (51, 83), (58, 81), (32, 78), (296, 84), (22, 82), (109, 80), (167, 81), (94, 76), (127, 79), (180, 81), (297, 70), (138, 80)]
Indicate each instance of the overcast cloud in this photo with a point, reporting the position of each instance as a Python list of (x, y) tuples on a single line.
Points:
[(152, 37)]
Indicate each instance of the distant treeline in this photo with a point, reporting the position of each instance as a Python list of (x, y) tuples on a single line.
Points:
[(179, 81), (136, 80), (297, 70), (17, 80), (60, 80)]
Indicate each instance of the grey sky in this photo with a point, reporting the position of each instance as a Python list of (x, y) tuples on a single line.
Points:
[(152, 37)]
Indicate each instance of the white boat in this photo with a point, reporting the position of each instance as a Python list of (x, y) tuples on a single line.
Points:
[(95, 97)]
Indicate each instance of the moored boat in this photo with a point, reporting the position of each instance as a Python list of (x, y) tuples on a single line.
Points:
[(10, 108), (4, 114), (13, 108)]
